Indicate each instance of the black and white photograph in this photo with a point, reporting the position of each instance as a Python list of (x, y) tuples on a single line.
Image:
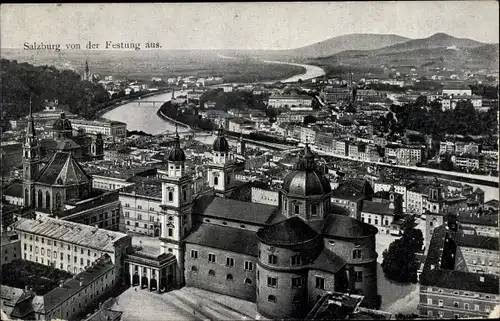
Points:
[(249, 161)]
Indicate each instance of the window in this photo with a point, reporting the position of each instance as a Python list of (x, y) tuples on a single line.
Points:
[(152, 209), (440, 303), (272, 282), (466, 306), (358, 276), (455, 304), (170, 196), (296, 209), (314, 210), (194, 254), (127, 214), (216, 180), (429, 301), (296, 259), (170, 232), (139, 207), (297, 282), (271, 298), (211, 258), (248, 281), (211, 272), (356, 254), (229, 277), (429, 313), (229, 261), (194, 269), (320, 283), (248, 266), (476, 307), (487, 308), (272, 259)]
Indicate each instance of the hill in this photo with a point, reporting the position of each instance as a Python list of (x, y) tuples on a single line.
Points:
[(438, 40), (421, 53), (347, 42)]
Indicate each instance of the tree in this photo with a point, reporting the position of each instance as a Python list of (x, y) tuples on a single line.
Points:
[(421, 101), (400, 263), (309, 119)]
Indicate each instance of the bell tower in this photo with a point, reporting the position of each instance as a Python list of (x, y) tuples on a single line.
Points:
[(221, 171), (31, 161), (434, 215), (177, 200)]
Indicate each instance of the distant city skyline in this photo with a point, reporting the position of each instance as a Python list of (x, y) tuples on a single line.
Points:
[(243, 25)]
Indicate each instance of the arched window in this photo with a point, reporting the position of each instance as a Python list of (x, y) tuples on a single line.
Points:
[(170, 196), (216, 180), (211, 272), (271, 298), (47, 200), (194, 269), (58, 201), (248, 281), (229, 277), (39, 203), (314, 210)]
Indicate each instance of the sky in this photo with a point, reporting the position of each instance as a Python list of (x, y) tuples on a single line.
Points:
[(242, 25)]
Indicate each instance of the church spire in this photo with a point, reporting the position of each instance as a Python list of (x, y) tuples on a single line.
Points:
[(30, 132)]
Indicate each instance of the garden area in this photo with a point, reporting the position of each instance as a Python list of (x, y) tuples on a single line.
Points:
[(38, 277)]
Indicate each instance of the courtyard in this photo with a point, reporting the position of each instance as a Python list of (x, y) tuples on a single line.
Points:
[(184, 304)]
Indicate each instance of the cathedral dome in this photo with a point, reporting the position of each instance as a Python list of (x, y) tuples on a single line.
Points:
[(62, 124), (306, 180), (220, 143)]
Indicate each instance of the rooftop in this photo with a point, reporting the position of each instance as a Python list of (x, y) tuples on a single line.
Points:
[(225, 238), (70, 232), (289, 232), (433, 274), (209, 205), (72, 286), (150, 189)]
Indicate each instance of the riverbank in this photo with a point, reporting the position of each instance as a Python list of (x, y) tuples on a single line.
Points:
[(123, 101), (170, 119)]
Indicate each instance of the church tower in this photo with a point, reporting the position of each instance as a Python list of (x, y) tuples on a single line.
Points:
[(221, 171), (177, 199), (240, 146), (86, 75), (434, 215), (31, 161)]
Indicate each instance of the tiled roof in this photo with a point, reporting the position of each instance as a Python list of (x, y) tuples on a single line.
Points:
[(474, 218), (328, 261), (347, 227), (63, 169), (225, 238), (289, 232), (477, 241), (434, 275), (208, 205), (15, 190), (377, 208), (72, 286), (70, 232)]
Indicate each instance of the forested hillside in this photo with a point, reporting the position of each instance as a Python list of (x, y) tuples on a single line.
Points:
[(20, 81)]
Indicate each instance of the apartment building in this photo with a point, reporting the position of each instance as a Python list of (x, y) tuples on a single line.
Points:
[(67, 245)]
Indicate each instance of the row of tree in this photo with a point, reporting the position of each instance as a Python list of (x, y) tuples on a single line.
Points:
[(431, 119)]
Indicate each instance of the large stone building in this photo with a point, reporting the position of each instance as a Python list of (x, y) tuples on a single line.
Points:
[(282, 257)]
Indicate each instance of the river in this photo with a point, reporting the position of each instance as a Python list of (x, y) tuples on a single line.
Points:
[(142, 117)]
